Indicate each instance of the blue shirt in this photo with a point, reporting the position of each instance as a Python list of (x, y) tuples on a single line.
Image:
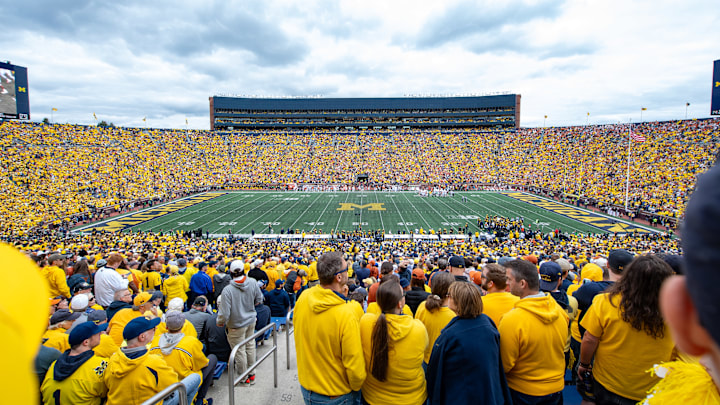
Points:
[(201, 284)]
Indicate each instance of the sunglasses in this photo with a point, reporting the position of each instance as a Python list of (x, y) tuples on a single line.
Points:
[(341, 271)]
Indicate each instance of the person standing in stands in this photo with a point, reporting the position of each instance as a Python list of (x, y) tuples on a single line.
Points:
[(497, 302), (331, 366), (434, 312), (393, 347), (200, 284), (467, 349), (56, 276), (626, 333), (108, 281), (237, 314), (417, 293), (532, 339)]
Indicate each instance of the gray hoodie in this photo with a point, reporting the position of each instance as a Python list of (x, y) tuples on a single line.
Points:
[(168, 341), (237, 306)]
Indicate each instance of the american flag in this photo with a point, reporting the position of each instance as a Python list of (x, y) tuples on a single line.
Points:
[(637, 137)]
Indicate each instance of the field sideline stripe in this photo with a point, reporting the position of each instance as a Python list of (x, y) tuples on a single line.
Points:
[(154, 208), (537, 212), (616, 219)]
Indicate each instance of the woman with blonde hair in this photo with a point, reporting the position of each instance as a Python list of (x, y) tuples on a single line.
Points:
[(393, 346), (468, 350)]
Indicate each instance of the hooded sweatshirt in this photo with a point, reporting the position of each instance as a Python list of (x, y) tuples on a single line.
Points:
[(405, 383), (183, 353), (532, 344), (237, 309), (135, 380), (327, 340), (75, 379)]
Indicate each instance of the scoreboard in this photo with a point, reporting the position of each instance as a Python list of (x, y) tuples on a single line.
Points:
[(14, 101)]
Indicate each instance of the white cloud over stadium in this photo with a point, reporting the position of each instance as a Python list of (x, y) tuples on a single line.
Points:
[(162, 60)]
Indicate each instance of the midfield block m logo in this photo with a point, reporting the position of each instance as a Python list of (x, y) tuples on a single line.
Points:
[(352, 206)]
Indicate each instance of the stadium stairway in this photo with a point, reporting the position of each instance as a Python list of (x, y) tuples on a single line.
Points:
[(288, 390), (263, 392)]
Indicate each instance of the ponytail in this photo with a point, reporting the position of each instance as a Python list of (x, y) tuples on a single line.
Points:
[(440, 286), (380, 349)]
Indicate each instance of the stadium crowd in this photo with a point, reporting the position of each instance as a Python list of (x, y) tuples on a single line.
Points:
[(59, 174), (172, 282)]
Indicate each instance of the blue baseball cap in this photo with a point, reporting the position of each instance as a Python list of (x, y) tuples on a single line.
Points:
[(139, 325), (85, 330), (550, 273)]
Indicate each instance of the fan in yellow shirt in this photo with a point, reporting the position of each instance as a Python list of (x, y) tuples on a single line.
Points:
[(497, 302), (434, 312)]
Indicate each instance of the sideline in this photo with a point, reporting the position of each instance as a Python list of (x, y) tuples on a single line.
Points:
[(601, 221), (135, 218)]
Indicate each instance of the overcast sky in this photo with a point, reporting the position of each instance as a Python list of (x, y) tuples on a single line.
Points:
[(125, 60)]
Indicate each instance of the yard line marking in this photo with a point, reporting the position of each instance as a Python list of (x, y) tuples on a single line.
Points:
[(382, 223), (330, 199), (401, 216), (347, 195), (303, 213), (418, 211)]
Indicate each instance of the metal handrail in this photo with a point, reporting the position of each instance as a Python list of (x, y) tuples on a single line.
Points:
[(288, 332), (231, 361), (160, 396)]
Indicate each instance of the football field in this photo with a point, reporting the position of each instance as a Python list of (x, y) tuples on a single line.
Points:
[(266, 212)]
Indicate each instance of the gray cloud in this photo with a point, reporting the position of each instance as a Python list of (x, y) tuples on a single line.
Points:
[(467, 20), (170, 29)]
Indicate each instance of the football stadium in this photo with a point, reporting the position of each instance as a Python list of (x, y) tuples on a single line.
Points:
[(423, 249)]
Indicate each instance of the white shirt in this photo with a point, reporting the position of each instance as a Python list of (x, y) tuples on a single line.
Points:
[(107, 282)]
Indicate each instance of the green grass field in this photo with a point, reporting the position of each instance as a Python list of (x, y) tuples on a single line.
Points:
[(315, 212)]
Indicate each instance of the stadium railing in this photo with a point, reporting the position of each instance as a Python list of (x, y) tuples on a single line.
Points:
[(232, 381), (289, 329), (162, 395)]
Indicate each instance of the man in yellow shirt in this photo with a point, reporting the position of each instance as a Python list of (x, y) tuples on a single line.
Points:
[(56, 276), (497, 302), (77, 376), (532, 339), (327, 336), (141, 304)]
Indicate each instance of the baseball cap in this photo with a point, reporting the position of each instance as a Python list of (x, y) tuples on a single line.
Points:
[(476, 277), (142, 299), (564, 264), (550, 273), (79, 302), (418, 274), (501, 261), (54, 257), (592, 272), (62, 315), (457, 261), (97, 316), (200, 301), (174, 320), (176, 304), (101, 263), (404, 283), (81, 286), (601, 262), (619, 259), (85, 330), (139, 325), (237, 265), (531, 258)]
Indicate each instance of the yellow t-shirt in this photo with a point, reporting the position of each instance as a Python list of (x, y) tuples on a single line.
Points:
[(495, 305), (624, 354), (434, 323), (118, 322)]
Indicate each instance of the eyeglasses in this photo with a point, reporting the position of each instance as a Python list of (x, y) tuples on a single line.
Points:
[(341, 271)]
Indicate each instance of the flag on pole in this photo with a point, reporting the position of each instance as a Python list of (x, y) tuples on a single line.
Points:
[(687, 104), (186, 121), (145, 119), (54, 109), (95, 116), (643, 109), (637, 137)]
